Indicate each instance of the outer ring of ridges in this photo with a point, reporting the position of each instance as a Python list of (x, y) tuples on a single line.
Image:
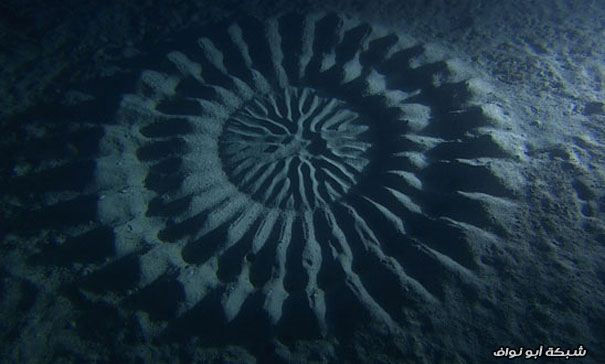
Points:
[(251, 139)]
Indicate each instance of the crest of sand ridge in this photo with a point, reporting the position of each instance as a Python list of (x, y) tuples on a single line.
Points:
[(288, 168)]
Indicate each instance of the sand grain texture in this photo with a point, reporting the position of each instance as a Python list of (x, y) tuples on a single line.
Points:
[(302, 187)]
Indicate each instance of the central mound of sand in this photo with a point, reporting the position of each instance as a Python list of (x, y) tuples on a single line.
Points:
[(296, 150)]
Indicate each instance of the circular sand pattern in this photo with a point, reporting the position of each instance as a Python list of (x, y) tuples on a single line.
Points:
[(298, 150), (289, 175)]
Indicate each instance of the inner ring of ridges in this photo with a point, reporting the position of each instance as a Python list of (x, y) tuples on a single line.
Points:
[(295, 148)]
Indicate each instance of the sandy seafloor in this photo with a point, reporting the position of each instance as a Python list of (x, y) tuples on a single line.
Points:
[(65, 66)]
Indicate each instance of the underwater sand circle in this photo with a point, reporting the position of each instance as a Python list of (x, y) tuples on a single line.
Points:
[(289, 174)]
